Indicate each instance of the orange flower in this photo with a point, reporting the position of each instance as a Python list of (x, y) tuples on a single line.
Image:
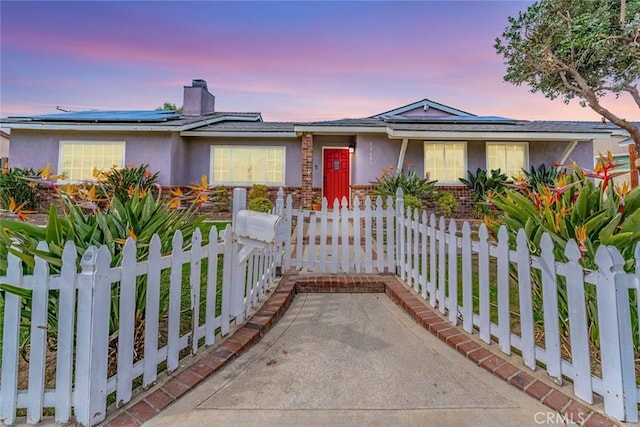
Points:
[(581, 236)]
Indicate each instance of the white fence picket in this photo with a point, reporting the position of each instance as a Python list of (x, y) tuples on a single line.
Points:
[(483, 284), (550, 308), (467, 284), (335, 224), (152, 313), (390, 221), (415, 231), (66, 325), (212, 286), (344, 237), (126, 322), (380, 234), (195, 272), (432, 259), (324, 235), (175, 293), (424, 255), (525, 292), (578, 326), (357, 256), (38, 337), (504, 308), (453, 273), (442, 270), (312, 264), (368, 236), (287, 244), (10, 343)]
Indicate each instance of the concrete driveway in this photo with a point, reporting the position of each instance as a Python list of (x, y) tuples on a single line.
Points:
[(352, 360)]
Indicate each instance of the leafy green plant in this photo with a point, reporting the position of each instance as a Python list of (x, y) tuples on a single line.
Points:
[(139, 217), (258, 191), (412, 202), (540, 176), (122, 182), (575, 207), (260, 204), (16, 184), (412, 184), (447, 203), (484, 186)]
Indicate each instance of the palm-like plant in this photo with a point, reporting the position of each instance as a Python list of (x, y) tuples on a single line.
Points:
[(139, 217), (574, 207)]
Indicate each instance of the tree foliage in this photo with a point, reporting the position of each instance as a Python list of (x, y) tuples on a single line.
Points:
[(167, 106), (580, 49)]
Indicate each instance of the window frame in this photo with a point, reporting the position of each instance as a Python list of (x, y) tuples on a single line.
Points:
[(465, 161), (64, 142), (212, 147), (521, 143)]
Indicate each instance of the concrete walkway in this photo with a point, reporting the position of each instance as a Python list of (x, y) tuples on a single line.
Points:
[(349, 360)]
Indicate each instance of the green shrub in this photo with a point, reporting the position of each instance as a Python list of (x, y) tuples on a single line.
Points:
[(140, 217), (121, 183), (261, 204), (540, 176), (14, 185), (258, 191), (575, 207), (411, 201), (389, 182), (484, 186), (447, 203)]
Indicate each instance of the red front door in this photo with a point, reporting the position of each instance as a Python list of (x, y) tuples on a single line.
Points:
[(336, 174)]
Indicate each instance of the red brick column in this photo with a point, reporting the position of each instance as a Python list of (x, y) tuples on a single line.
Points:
[(306, 195)]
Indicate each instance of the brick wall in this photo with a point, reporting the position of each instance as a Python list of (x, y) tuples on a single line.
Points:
[(306, 195), (463, 195)]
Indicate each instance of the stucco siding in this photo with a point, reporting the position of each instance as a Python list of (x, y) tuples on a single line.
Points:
[(33, 149), (373, 153), (550, 153), (198, 156)]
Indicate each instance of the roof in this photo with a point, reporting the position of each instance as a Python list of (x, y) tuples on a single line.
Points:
[(245, 129), (108, 116), (96, 121), (425, 104)]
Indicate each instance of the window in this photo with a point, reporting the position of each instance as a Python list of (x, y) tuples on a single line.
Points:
[(78, 158), (445, 161), (509, 157), (247, 165)]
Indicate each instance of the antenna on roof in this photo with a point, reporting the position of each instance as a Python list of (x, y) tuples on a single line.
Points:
[(59, 108)]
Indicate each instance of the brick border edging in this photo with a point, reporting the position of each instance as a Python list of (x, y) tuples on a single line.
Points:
[(149, 403)]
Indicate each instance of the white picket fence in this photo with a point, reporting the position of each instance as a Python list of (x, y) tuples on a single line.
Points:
[(425, 253), (82, 382), (428, 254)]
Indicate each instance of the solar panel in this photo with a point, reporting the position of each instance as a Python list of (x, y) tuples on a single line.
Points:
[(109, 116)]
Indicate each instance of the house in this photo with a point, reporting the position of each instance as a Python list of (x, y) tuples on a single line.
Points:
[(4, 148), (333, 158)]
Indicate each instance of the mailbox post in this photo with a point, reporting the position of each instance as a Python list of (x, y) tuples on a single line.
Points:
[(252, 231)]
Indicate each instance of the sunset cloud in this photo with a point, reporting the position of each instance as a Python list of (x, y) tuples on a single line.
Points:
[(289, 60)]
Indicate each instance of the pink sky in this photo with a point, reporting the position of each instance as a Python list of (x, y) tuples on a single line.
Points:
[(291, 61)]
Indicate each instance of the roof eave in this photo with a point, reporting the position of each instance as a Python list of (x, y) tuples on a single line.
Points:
[(90, 128), (492, 135), (240, 134), (338, 130)]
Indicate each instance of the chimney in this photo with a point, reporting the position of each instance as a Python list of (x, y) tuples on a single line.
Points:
[(197, 99)]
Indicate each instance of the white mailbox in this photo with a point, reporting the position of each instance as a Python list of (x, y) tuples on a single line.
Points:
[(261, 227)]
